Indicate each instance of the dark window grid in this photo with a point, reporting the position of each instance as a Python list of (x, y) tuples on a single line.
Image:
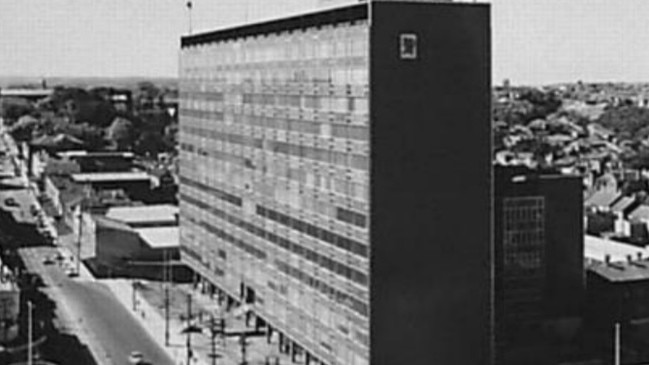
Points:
[(231, 239), (332, 293), (341, 242), (332, 157), (227, 197), (191, 253), (329, 264)]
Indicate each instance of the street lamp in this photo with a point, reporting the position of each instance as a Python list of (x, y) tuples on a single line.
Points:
[(133, 297), (30, 308)]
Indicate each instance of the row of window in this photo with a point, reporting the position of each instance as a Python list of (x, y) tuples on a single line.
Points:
[(325, 103), (309, 229), (313, 43), (320, 260), (322, 129), (523, 262), (277, 189), (348, 160), (220, 194), (351, 217), (521, 239), (242, 245), (286, 74), (331, 292)]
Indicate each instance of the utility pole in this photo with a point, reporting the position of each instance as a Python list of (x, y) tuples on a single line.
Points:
[(244, 347), (29, 332), (85, 196), (617, 344), (133, 298), (189, 329), (79, 236), (166, 289), (213, 330)]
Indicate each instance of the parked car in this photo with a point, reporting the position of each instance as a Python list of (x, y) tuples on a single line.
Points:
[(136, 358), (11, 202)]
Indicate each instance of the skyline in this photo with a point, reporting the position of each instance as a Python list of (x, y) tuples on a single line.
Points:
[(533, 42)]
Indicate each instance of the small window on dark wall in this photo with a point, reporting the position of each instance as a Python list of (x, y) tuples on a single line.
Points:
[(408, 46)]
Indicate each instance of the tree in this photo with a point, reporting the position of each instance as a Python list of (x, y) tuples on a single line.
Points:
[(13, 108), (23, 128), (626, 121)]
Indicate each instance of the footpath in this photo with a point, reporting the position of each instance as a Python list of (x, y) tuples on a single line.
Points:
[(147, 305)]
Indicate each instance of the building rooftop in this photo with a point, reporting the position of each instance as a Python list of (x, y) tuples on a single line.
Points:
[(26, 92), (640, 213), (622, 271), (596, 248), (96, 177), (160, 237), (147, 214), (303, 20), (622, 204), (20, 207), (603, 198), (82, 153)]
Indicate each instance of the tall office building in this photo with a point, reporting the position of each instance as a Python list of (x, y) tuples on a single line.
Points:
[(336, 175), (539, 270)]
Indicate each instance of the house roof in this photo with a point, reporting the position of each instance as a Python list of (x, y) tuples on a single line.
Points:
[(95, 177), (622, 204), (596, 248), (603, 198), (640, 213), (84, 153), (160, 237), (105, 222), (164, 213)]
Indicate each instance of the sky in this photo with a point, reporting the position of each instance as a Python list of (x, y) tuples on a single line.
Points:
[(533, 41)]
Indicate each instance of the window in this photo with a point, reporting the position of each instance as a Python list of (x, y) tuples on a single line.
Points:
[(408, 46)]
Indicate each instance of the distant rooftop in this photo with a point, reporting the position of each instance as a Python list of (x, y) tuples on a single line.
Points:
[(603, 198), (623, 271), (160, 237), (81, 153), (95, 177), (640, 213), (147, 214), (596, 248), (622, 204), (26, 92)]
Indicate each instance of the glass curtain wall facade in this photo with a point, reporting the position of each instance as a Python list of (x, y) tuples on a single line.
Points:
[(274, 151), (523, 268)]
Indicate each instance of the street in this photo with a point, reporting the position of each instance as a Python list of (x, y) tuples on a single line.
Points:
[(93, 313)]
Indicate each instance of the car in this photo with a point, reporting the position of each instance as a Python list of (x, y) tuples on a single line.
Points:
[(136, 358), (71, 271), (11, 202), (48, 261)]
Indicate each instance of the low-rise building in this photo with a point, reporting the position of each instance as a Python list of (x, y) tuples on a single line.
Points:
[(135, 240)]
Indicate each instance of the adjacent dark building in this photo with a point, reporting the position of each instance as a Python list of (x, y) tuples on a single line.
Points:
[(335, 175), (539, 270)]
